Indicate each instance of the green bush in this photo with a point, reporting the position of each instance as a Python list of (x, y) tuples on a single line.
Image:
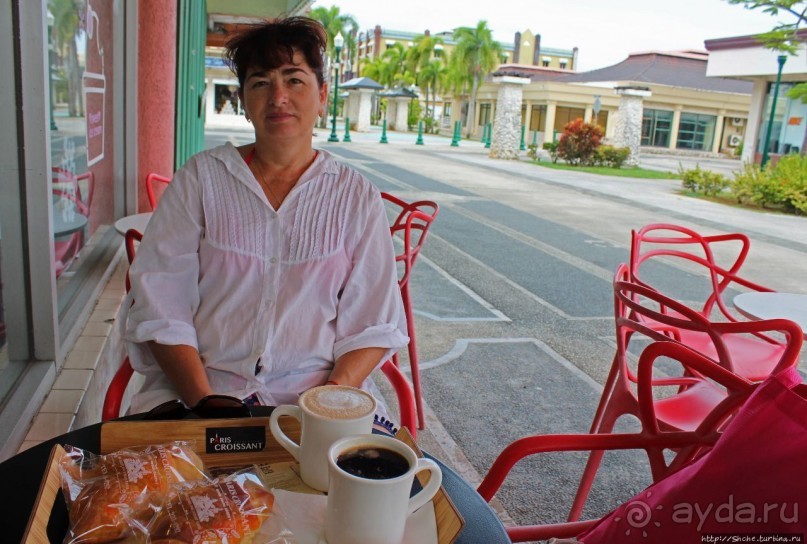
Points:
[(579, 142), (552, 148), (791, 173), (782, 186), (613, 157), (753, 186), (532, 151), (703, 181)]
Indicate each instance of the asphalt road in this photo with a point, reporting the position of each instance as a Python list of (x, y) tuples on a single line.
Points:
[(514, 303)]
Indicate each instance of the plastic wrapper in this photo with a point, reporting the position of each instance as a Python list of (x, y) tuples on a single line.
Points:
[(228, 510), (110, 497)]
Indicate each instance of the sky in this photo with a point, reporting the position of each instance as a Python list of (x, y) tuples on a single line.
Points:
[(604, 31)]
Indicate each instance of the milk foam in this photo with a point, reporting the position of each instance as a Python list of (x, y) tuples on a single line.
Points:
[(337, 402)]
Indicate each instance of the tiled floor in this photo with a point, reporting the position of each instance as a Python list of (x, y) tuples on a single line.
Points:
[(58, 412)]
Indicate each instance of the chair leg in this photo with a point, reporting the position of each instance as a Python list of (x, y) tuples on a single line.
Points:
[(413, 355), (592, 466), (607, 391)]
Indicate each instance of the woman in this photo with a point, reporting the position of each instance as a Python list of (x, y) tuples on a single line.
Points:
[(266, 269)]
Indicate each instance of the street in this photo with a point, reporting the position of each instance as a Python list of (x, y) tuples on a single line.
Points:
[(514, 302)]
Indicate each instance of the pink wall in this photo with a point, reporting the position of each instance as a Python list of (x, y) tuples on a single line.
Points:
[(156, 88)]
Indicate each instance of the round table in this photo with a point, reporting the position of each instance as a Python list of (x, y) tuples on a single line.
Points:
[(65, 226), (139, 222), (773, 305), (24, 472)]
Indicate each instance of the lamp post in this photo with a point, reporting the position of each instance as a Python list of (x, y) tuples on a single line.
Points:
[(781, 60), (51, 21), (337, 43)]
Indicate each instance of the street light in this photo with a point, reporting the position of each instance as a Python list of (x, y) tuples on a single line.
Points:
[(51, 21), (781, 60), (337, 43)]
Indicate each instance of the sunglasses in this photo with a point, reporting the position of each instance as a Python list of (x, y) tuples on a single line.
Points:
[(209, 407)]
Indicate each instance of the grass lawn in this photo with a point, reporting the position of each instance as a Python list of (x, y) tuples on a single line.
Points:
[(607, 171)]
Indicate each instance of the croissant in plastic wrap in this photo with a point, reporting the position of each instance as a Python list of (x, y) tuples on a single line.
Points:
[(109, 495), (228, 510)]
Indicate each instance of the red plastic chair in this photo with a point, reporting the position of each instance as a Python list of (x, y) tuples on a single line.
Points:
[(685, 445), (69, 186), (754, 355), (412, 222), (155, 185), (117, 387), (643, 313)]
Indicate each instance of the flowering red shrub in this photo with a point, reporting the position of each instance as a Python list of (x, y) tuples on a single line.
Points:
[(579, 141)]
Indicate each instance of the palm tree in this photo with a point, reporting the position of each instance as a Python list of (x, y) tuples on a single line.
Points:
[(478, 53), (65, 30), (334, 23), (428, 77)]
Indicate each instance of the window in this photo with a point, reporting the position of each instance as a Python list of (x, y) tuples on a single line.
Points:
[(545, 63), (563, 63), (696, 131), (538, 118), (788, 131), (565, 115), (484, 114), (656, 127)]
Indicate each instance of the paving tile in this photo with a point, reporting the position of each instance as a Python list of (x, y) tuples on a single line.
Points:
[(73, 379), (97, 329), (103, 316), (107, 304), (90, 343), (64, 401), (78, 359), (46, 426)]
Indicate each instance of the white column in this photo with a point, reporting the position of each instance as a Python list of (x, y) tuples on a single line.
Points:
[(628, 131), (365, 107), (506, 137), (755, 116)]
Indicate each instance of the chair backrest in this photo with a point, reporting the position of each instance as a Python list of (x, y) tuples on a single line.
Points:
[(412, 221), (681, 246), (131, 237), (155, 185), (79, 189), (642, 309), (117, 387)]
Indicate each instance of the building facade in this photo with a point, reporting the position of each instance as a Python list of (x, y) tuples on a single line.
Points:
[(685, 112), (744, 58)]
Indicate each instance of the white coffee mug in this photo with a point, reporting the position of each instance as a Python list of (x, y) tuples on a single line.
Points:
[(374, 511), (326, 414)]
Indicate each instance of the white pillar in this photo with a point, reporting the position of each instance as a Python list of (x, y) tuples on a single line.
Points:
[(756, 114), (401, 114), (628, 131), (364, 110), (506, 137)]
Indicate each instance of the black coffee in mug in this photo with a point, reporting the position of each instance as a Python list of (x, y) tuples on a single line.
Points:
[(373, 463)]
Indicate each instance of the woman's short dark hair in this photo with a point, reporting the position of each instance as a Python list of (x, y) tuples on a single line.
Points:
[(269, 45)]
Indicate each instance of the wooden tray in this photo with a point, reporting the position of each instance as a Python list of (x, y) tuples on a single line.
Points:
[(204, 433)]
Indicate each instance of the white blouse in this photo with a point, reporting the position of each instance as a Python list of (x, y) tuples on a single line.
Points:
[(270, 299)]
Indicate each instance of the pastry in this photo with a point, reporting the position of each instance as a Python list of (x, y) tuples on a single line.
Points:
[(107, 494), (228, 510)]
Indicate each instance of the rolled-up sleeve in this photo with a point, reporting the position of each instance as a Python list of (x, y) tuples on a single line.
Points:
[(165, 273), (370, 310)]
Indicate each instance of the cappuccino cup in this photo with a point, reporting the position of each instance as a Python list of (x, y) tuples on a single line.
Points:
[(371, 480), (326, 414)]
